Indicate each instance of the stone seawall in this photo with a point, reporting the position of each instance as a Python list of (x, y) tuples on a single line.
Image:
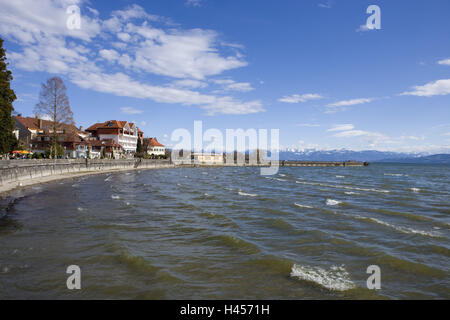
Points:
[(17, 173)]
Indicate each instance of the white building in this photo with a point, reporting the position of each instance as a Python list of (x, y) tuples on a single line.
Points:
[(123, 133), (153, 147)]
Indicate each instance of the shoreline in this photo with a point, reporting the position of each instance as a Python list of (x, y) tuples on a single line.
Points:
[(24, 175), (7, 190)]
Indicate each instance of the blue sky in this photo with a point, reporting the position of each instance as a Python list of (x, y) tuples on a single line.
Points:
[(308, 68)]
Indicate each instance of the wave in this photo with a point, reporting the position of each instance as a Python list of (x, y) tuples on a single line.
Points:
[(415, 190), (282, 180), (335, 279), (401, 228), (247, 194), (332, 202), (235, 243), (303, 206), (342, 187), (108, 178), (396, 174), (350, 192), (115, 197), (340, 177)]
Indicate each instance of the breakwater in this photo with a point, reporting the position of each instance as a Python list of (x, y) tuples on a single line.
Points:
[(18, 173), (323, 164)]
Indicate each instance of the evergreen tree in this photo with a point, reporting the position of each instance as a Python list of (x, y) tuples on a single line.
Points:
[(7, 139), (139, 149)]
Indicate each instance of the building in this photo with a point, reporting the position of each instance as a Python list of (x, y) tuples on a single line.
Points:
[(104, 148), (207, 158), (27, 128), (153, 148), (72, 144), (122, 133)]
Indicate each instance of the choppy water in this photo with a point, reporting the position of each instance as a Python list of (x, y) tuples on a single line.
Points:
[(229, 233)]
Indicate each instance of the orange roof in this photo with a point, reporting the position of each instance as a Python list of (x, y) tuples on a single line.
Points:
[(153, 142), (32, 123), (108, 124)]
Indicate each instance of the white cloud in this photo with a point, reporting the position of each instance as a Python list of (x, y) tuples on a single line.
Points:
[(436, 88), (180, 53), (296, 98), (231, 85), (45, 44), (189, 83), (194, 3), (444, 62), (130, 110), (309, 125), (327, 5), (122, 85), (341, 127), (124, 36), (363, 28), (352, 102), (359, 133), (110, 55), (29, 21)]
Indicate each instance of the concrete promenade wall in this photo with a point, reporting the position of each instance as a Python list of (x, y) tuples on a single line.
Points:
[(14, 172)]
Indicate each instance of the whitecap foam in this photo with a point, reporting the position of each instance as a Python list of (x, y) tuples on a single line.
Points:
[(247, 194), (402, 228), (115, 197), (282, 175), (332, 202), (335, 279), (340, 177), (350, 192), (80, 209), (303, 206), (416, 190), (396, 174), (279, 179), (342, 187), (108, 178)]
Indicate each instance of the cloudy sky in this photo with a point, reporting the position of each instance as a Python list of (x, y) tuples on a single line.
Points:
[(310, 68)]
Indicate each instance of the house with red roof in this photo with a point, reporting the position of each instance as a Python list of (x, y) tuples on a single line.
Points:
[(153, 148), (122, 133)]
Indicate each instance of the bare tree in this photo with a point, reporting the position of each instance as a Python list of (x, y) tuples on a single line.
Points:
[(54, 104)]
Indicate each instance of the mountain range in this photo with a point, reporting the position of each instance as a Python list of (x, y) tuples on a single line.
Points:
[(367, 155)]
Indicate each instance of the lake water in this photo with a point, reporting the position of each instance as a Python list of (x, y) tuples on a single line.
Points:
[(230, 233)]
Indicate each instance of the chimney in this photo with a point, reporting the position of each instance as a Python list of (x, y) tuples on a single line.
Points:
[(81, 129), (40, 123)]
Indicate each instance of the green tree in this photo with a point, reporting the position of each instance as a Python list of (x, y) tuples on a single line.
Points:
[(7, 139), (139, 149)]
